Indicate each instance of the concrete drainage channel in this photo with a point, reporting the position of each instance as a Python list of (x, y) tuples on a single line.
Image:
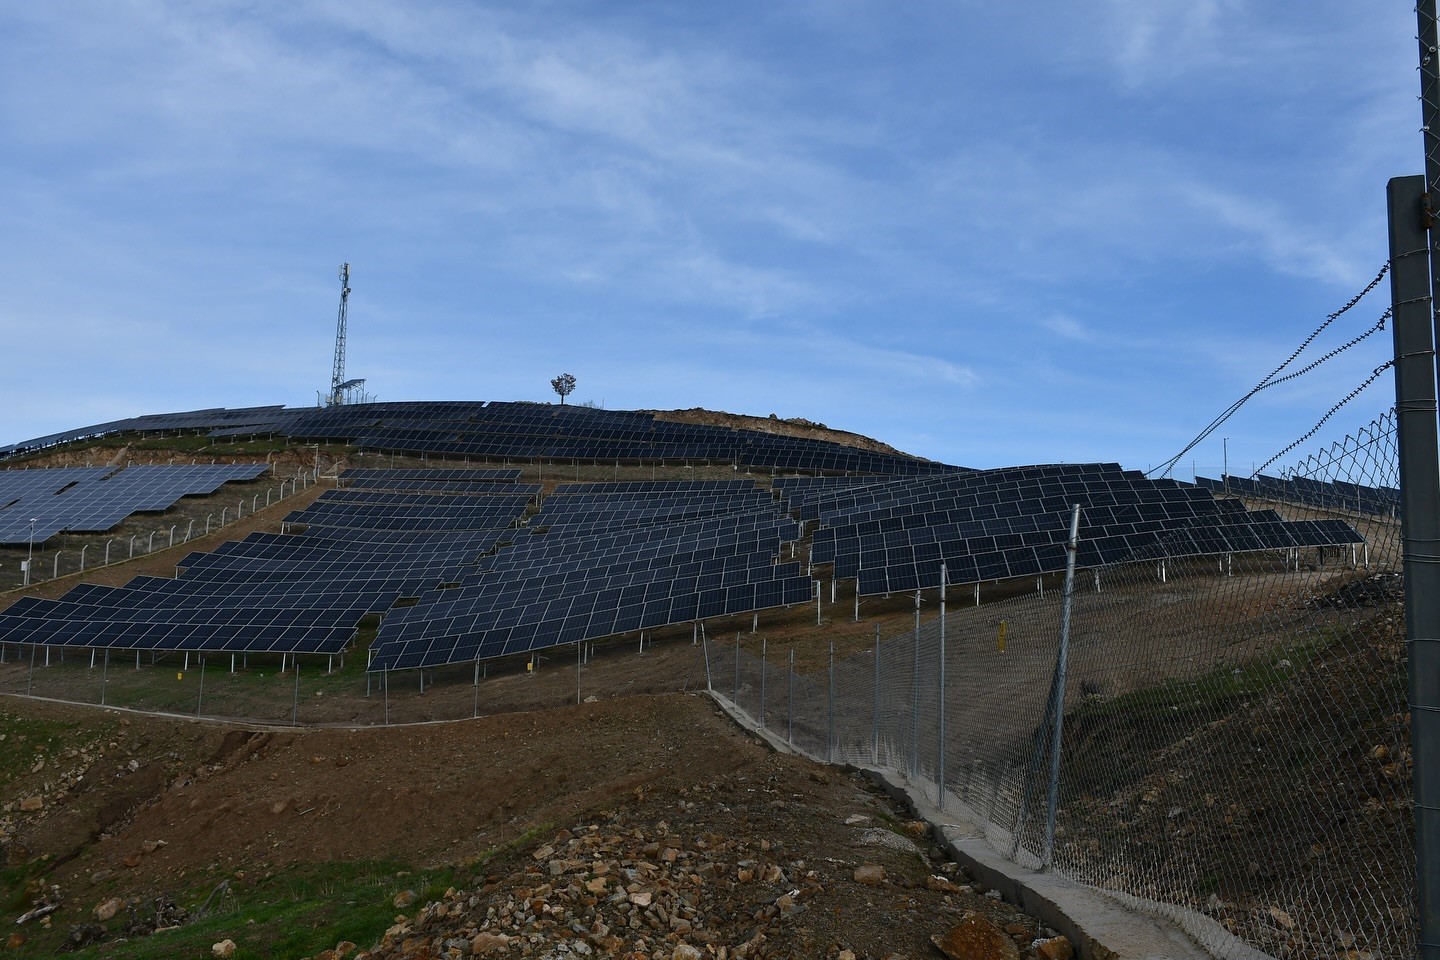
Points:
[(1099, 926)]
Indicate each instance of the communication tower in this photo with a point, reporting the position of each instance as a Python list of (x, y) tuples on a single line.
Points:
[(340, 388)]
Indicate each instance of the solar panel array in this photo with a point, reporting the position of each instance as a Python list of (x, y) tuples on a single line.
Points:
[(291, 593), (514, 431), (604, 559), (495, 571), (1325, 494), (998, 524), (96, 499)]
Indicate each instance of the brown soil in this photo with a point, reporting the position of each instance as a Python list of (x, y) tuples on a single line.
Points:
[(139, 807)]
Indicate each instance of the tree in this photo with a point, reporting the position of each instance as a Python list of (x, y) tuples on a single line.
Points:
[(563, 385)]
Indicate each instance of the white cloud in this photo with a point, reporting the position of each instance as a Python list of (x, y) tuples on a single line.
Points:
[(1067, 327)]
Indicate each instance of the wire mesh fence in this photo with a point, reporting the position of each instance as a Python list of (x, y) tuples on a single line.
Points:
[(1234, 750)]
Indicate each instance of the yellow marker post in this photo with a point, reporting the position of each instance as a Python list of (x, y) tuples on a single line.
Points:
[(1000, 638)]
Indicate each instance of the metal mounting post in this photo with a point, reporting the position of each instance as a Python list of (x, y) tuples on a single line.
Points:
[(1419, 445)]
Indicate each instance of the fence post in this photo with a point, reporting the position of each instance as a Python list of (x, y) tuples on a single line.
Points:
[(200, 697), (763, 644), (915, 698), (790, 701), (104, 676), (875, 709), (30, 686), (735, 693), (295, 706), (830, 738), (1072, 547), (705, 649), (940, 720), (475, 694), (1419, 448)]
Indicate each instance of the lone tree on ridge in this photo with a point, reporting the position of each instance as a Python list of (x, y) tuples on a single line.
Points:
[(564, 385)]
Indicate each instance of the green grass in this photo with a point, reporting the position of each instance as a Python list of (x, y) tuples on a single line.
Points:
[(26, 739), (1217, 689), (295, 913)]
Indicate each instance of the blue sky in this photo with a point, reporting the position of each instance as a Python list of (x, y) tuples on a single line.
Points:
[(985, 233)]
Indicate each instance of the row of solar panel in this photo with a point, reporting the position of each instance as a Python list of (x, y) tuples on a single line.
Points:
[(409, 496), (1099, 544), (605, 588), (423, 478), (1050, 516), (973, 489), (716, 549), (313, 589), (1329, 495), (35, 505), (663, 562), (460, 643), (518, 431), (901, 574)]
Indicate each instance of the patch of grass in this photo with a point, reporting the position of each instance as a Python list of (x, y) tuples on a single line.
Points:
[(23, 740), (295, 913), (1217, 689), (505, 851), (16, 891)]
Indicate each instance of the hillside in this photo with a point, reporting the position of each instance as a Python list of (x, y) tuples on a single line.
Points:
[(551, 655), (299, 839)]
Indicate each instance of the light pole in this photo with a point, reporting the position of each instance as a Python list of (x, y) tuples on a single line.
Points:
[(30, 560)]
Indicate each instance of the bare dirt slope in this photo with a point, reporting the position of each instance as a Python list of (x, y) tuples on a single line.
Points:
[(743, 852)]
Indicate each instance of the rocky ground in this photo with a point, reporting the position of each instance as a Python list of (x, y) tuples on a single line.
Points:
[(645, 826)]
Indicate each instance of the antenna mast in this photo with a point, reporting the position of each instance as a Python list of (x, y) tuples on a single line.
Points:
[(337, 376)]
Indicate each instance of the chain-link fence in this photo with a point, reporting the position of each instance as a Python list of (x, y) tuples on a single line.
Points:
[(1235, 743)]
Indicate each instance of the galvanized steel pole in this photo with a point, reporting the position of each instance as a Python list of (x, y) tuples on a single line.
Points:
[(1419, 447), (875, 710), (940, 728), (1072, 547), (915, 697)]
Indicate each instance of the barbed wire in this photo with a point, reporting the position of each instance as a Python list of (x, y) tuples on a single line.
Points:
[(1379, 325), (1374, 375), (1269, 379)]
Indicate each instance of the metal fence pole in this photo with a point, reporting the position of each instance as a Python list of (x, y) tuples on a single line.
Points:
[(295, 705), (763, 644), (875, 707), (735, 693), (30, 686), (579, 658), (940, 720), (915, 698), (475, 693), (1419, 446), (705, 650), (830, 737), (1061, 662), (104, 676), (790, 700)]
